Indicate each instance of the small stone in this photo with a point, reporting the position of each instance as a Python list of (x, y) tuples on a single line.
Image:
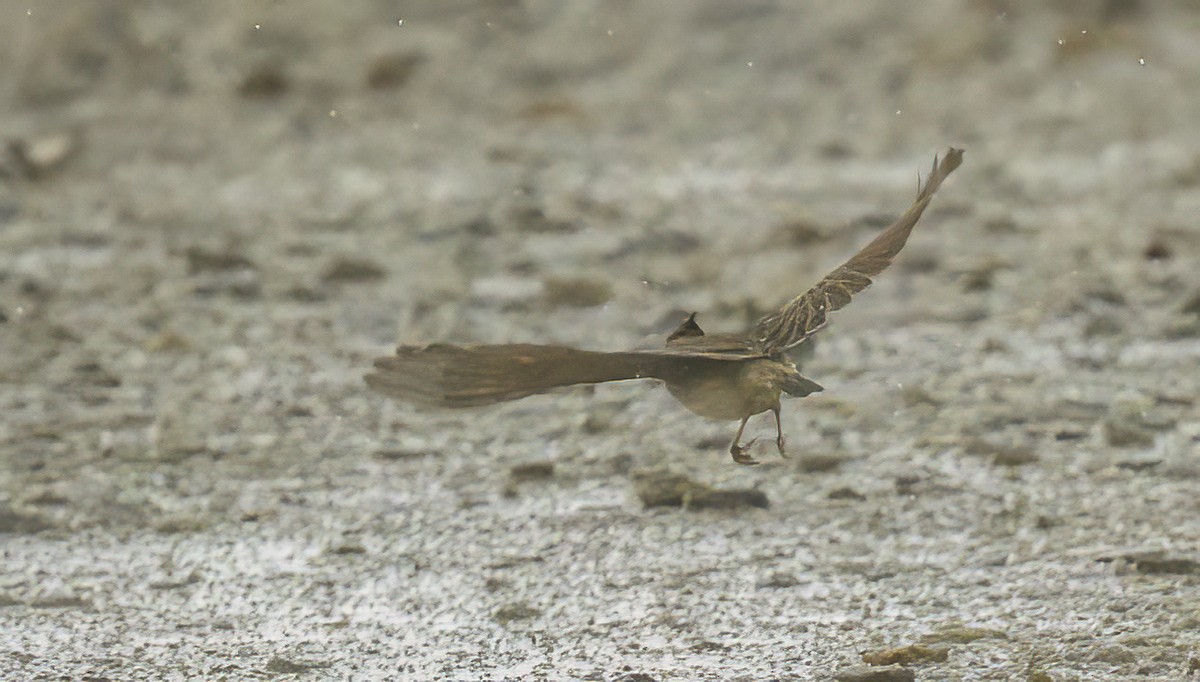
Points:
[(17, 523), (665, 489), (1105, 294), (1122, 433), (1001, 225), (978, 280), (819, 463), (601, 418), (961, 634), (37, 157), (1185, 327), (846, 493), (534, 220), (1115, 654), (576, 292), (94, 374), (181, 524), (1158, 249), (305, 294), (166, 340), (397, 455), (264, 81), (864, 673), (737, 498), (1102, 325), (800, 232), (1192, 305), (548, 108), (284, 666), (907, 655), (1139, 464), (532, 471), (391, 71), (515, 611), (200, 259), (179, 437), (779, 579), (1164, 564), (913, 396), (347, 549), (1001, 454), (658, 488), (907, 485), (352, 270), (836, 149)]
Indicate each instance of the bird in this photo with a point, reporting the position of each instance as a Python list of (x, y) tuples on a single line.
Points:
[(718, 376)]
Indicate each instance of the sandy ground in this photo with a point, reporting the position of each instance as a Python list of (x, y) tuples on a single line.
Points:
[(213, 215)]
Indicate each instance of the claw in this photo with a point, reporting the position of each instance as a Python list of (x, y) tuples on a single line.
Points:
[(779, 443), (741, 453)]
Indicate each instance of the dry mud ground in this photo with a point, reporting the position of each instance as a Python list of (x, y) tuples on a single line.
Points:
[(213, 215)]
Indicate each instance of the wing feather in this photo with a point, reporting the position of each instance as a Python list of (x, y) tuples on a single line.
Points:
[(801, 317), (446, 375)]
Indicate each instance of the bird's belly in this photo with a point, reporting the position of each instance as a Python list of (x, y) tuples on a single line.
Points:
[(725, 395)]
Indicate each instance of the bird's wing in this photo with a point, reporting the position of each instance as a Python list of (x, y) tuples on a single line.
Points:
[(446, 375), (802, 316)]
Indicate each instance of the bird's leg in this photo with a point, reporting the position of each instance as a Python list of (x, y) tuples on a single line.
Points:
[(779, 439), (740, 452)]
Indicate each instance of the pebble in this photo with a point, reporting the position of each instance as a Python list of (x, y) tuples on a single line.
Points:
[(865, 673)]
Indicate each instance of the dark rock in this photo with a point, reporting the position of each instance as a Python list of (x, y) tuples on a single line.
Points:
[(961, 634), (666, 489), (514, 612), (17, 523), (1003, 455), (865, 673), (907, 655), (1157, 249), (779, 580), (534, 220), (800, 232), (391, 71), (264, 81), (846, 493), (739, 498), (284, 666), (576, 292), (818, 463), (532, 471), (396, 455), (352, 270), (1123, 433), (200, 259)]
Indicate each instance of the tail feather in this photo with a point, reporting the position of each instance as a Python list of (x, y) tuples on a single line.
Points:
[(445, 375)]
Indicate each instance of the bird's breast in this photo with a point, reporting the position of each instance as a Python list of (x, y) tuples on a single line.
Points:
[(727, 390)]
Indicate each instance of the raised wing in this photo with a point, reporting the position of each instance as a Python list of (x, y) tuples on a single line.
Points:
[(802, 316)]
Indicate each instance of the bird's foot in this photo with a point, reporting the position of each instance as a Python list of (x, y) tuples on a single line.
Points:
[(779, 443), (741, 453)]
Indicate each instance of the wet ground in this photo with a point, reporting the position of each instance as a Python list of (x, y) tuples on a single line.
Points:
[(213, 216)]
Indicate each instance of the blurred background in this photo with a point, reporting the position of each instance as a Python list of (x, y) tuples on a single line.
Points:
[(213, 215)]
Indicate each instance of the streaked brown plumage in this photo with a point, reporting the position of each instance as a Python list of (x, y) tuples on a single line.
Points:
[(721, 376)]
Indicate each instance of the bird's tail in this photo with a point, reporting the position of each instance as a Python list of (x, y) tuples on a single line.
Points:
[(445, 375)]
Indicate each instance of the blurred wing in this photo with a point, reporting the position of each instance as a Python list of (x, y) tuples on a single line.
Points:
[(805, 314), (445, 375)]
